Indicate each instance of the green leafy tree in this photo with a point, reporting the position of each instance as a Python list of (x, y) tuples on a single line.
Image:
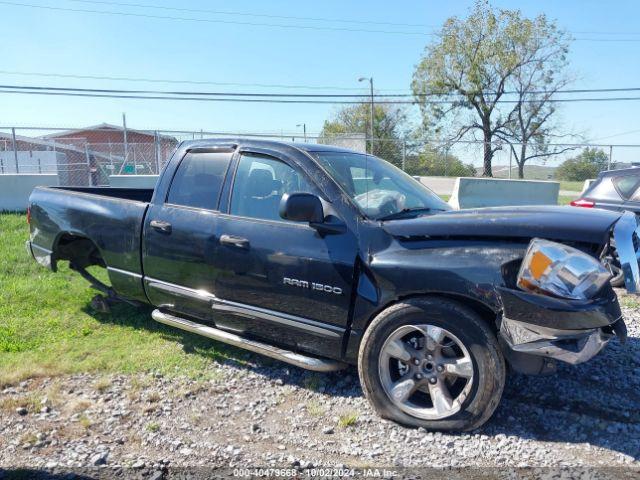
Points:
[(389, 123), (583, 166), (433, 162), (474, 63)]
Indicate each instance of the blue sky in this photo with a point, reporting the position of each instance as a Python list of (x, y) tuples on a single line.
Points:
[(37, 40)]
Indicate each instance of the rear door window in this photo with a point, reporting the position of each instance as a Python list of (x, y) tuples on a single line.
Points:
[(626, 185), (636, 195), (198, 180)]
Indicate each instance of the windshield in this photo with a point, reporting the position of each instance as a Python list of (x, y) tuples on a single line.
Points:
[(381, 190)]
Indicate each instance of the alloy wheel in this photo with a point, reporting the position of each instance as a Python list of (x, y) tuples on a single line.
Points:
[(426, 371)]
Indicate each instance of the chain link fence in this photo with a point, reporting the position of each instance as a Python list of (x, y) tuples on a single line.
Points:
[(89, 156)]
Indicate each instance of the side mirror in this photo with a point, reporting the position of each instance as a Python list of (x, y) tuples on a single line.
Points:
[(301, 207)]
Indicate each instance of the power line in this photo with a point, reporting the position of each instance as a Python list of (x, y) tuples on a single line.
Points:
[(174, 81), (256, 24), (209, 20), (181, 93), (200, 98), (324, 95), (289, 17), (621, 134), (229, 97), (256, 15)]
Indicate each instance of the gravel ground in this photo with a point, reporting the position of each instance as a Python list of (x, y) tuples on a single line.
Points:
[(263, 413)]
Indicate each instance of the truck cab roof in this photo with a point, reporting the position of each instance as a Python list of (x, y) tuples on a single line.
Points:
[(266, 143)]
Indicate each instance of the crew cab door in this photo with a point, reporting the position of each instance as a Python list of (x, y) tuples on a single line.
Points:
[(281, 280), (179, 236)]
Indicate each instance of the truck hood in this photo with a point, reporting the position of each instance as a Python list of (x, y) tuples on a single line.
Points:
[(550, 222)]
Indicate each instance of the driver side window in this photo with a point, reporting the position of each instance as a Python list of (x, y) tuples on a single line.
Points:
[(260, 183)]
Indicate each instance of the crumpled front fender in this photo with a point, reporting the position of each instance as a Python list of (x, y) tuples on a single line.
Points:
[(536, 330)]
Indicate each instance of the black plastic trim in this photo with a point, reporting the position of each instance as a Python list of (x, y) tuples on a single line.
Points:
[(559, 313)]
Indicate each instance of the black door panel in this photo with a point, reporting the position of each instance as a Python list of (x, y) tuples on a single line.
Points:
[(180, 236), (300, 278), (185, 257)]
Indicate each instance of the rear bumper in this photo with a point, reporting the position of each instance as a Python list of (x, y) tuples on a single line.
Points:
[(40, 254), (536, 331)]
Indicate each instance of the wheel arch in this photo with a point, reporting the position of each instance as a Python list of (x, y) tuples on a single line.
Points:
[(487, 313), (76, 247)]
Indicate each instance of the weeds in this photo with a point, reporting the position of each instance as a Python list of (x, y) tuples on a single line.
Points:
[(348, 420), (152, 427)]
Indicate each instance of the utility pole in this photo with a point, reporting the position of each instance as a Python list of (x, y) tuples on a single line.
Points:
[(610, 156), (362, 79), (304, 130)]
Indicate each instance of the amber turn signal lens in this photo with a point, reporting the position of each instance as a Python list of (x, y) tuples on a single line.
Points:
[(539, 263)]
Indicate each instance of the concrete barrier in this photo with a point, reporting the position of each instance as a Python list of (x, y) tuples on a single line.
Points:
[(15, 188), (133, 181), (493, 192), (439, 185)]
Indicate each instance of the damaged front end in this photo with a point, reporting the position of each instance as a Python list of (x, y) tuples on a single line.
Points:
[(537, 331), (562, 309)]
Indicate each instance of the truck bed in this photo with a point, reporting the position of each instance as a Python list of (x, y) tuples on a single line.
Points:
[(111, 218), (136, 194)]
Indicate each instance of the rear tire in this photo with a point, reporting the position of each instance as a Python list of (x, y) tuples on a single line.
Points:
[(432, 363)]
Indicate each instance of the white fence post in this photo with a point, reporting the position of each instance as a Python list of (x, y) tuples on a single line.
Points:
[(156, 143), (86, 154), (15, 148)]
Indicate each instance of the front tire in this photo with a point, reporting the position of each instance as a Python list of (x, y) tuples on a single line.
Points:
[(432, 363)]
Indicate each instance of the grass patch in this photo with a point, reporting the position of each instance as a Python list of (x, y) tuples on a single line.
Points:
[(154, 397), (152, 427), (348, 420), (102, 384), (79, 405), (28, 437), (629, 300), (48, 328), (315, 409), (566, 199), (85, 422), (572, 186), (32, 402)]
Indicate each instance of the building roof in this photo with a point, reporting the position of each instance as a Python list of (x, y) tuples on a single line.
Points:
[(107, 127), (42, 142)]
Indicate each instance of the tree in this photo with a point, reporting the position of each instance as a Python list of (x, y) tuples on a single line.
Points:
[(462, 78), (430, 161), (583, 166), (531, 123), (389, 123)]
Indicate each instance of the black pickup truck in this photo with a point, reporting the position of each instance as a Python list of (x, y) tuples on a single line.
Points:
[(323, 257)]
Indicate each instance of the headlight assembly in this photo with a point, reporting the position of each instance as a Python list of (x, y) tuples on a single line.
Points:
[(558, 270)]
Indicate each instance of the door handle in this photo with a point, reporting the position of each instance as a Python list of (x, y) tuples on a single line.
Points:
[(159, 225), (233, 241)]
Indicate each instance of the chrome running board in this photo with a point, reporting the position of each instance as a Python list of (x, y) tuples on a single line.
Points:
[(297, 359)]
